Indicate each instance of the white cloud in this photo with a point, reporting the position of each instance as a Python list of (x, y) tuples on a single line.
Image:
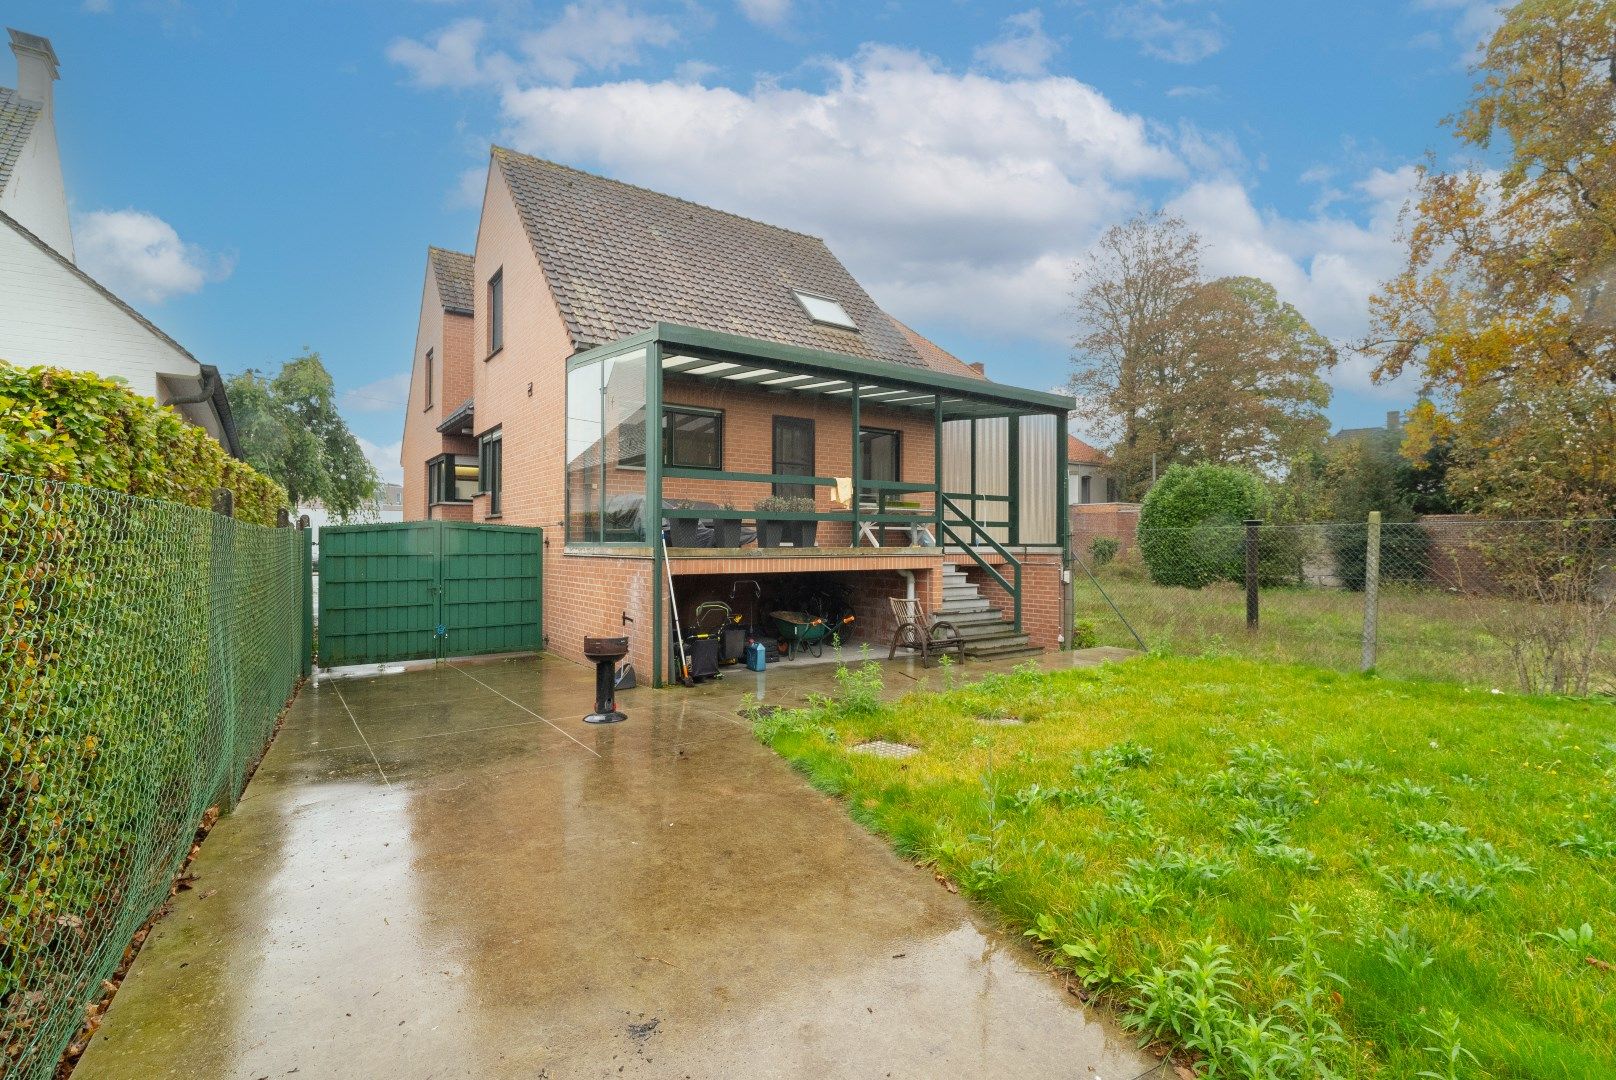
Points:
[(385, 395), (1326, 264), (769, 13), (97, 7), (1159, 33), (384, 458), (962, 200), (450, 59), (933, 185), (1192, 91), (139, 256), (1473, 23), (589, 35), (1022, 49)]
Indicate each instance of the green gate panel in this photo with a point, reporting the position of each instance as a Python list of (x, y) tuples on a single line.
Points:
[(422, 590), (491, 588)]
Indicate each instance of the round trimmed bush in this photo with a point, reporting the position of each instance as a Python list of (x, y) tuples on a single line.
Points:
[(1190, 524)]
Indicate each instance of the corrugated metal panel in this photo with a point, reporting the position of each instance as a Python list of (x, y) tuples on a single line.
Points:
[(1040, 460)]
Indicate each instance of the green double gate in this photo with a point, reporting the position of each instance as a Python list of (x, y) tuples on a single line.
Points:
[(421, 590)]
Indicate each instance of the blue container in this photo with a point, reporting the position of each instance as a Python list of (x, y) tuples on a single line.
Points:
[(757, 657)]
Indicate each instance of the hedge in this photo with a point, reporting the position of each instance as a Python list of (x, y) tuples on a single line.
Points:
[(1189, 525), (149, 646), (80, 428)]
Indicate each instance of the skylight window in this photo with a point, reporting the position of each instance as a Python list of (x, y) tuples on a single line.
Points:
[(822, 309)]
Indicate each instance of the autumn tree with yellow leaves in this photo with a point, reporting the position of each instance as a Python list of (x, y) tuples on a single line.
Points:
[(1507, 303)]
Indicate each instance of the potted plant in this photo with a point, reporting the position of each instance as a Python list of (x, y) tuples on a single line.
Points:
[(682, 525), (805, 531), (727, 530), (778, 533)]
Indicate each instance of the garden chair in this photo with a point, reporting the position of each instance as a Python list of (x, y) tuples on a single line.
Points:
[(922, 633)]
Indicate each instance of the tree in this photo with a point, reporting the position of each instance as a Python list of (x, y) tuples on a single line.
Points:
[(289, 428), (1507, 301), (1172, 368)]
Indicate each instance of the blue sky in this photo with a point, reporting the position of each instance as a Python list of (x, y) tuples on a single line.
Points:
[(263, 177)]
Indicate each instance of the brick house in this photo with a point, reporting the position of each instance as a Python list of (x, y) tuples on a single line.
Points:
[(591, 305)]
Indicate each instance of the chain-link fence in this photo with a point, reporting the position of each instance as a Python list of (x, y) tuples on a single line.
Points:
[(146, 650), (1528, 605)]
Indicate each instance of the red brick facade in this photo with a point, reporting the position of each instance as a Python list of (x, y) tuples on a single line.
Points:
[(447, 335), (520, 388)]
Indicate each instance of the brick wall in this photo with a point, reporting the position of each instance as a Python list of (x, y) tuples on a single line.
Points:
[(448, 335), (1116, 521), (589, 595), (749, 445)]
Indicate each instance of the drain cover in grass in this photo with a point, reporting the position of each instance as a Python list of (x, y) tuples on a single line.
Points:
[(882, 748)]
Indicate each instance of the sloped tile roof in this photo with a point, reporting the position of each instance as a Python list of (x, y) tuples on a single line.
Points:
[(1079, 452), (453, 272), (17, 116), (936, 357), (620, 258)]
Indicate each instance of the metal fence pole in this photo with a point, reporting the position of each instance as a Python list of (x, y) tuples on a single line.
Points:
[(1371, 590), (1252, 525)]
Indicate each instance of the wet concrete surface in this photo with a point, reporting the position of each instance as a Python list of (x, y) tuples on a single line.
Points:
[(445, 873)]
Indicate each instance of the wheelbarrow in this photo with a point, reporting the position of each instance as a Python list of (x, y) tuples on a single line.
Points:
[(804, 633)]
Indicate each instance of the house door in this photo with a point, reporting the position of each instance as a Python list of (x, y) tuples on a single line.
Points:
[(793, 454)]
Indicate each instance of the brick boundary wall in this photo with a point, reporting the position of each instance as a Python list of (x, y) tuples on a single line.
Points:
[(1115, 521)]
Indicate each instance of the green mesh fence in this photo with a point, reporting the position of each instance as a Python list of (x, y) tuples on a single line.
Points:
[(1512, 605), (146, 650)]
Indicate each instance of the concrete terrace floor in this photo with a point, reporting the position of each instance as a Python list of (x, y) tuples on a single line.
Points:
[(445, 873)]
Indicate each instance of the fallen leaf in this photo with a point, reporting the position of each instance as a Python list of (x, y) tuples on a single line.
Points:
[(1602, 965)]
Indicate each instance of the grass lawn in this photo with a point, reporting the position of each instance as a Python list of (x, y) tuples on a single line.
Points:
[(1424, 633), (1291, 871)]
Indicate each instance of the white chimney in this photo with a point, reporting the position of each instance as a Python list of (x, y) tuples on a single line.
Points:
[(35, 194)]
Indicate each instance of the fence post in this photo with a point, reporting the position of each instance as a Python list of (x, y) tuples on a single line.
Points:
[(306, 550), (1371, 590), (222, 599), (1252, 525)]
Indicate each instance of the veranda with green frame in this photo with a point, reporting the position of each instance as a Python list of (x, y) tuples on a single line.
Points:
[(738, 362)]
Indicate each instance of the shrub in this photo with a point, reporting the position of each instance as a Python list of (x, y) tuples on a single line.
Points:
[(1189, 525), (1103, 550), (80, 428), (1084, 635)]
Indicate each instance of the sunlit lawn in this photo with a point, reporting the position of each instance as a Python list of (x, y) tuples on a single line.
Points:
[(1204, 840)]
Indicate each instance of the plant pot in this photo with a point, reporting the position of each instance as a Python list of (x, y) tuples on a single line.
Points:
[(682, 531), (771, 534), (806, 532), (727, 532)]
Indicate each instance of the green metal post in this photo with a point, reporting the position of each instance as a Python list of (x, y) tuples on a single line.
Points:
[(653, 499), (1063, 525), (308, 595), (854, 539), (976, 510), (1014, 481), (937, 461)]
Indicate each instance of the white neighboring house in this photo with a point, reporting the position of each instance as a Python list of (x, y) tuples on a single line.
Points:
[(53, 313), (386, 505), (1090, 477)]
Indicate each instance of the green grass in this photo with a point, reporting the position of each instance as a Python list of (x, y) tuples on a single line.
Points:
[(1424, 633), (1291, 871)]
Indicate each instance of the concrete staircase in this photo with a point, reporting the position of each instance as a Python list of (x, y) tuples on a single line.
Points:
[(988, 634)]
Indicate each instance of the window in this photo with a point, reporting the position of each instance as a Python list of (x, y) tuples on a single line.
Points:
[(1086, 487), (692, 438), (429, 378), (793, 454), (496, 312), (451, 478), (822, 309), (491, 467), (878, 454)]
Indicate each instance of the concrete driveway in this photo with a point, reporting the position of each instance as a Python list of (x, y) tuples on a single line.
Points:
[(445, 873)]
